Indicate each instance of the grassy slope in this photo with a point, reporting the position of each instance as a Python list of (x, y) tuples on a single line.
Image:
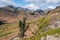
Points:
[(49, 32), (42, 23), (8, 29)]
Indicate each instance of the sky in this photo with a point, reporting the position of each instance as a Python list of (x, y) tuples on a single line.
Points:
[(31, 4)]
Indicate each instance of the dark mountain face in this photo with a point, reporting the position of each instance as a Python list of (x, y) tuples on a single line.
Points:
[(58, 7), (42, 12), (56, 10), (9, 11), (46, 11), (39, 10)]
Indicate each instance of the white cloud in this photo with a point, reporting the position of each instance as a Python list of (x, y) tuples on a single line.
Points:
[(31, 0), (52, 1), (8, 2), (32, 6), (44, 3), (52, 7), (35, 4)]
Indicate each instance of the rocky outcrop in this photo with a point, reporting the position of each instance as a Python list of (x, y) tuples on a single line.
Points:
[(51, 37)]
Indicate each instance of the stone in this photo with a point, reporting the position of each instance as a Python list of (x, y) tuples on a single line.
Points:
[(50, 37)]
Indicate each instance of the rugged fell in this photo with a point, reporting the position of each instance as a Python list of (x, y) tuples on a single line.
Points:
[(43, 24), (11, 13)]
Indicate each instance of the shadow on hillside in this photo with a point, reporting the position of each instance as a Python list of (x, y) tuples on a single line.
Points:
[(2, 22)]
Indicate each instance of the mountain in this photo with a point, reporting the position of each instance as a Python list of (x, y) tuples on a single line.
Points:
[(43, 12), (46, 11), (48, 26), (40, 11), (43, 24), (54, 28), (55, 17), (12, 13)]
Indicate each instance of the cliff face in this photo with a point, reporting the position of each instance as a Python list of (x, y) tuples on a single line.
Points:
[(55, 18), (54, 24), (51, 37)]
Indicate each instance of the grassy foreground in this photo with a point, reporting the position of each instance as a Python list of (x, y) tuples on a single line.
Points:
[(8, 29), (42, 23)]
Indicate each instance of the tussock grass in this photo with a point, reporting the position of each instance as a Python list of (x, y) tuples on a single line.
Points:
[(8, 29), (4, 34)]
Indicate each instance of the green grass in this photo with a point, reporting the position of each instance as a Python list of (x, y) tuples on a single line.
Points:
[(5, 34), (6, 29), (52, 32), (43, 23), (49, 32)]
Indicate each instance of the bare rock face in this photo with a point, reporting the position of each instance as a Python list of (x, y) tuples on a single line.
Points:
[(16, 38), (51, 37), (55, 24), (43, 38)]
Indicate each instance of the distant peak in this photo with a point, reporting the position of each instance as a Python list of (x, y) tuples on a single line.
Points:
[(10, 6), (57, 7)]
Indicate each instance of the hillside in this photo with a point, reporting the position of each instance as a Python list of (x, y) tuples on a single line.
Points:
[(41, 26), (10, 13)]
